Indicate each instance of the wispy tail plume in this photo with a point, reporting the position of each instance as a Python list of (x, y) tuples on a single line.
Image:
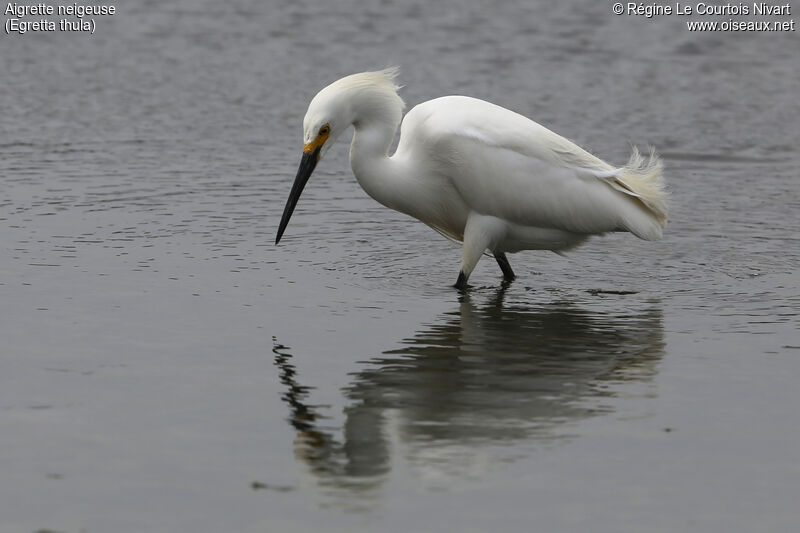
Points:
[(643, 177)]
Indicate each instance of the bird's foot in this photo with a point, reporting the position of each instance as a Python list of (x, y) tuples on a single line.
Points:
[(506, 283)]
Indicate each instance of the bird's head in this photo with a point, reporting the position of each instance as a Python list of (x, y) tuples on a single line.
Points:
[(326, 118), (334, 109), (328, 115)]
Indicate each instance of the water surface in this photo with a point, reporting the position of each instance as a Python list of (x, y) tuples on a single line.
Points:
[(165, 367)]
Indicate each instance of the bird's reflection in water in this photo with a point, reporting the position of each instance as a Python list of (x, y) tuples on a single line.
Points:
[(360, 459), (485, 375)]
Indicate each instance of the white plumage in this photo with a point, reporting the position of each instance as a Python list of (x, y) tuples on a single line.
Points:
[(479, 173)]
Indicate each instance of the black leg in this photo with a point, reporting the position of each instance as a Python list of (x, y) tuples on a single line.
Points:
[(461, 283), (505, 266)]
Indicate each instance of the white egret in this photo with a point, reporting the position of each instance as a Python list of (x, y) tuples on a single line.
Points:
[(478, 173)]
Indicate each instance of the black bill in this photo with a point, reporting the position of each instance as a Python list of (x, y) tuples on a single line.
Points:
[(307, 164)]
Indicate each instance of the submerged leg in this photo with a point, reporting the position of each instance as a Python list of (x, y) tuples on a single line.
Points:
[(480, 233), (505, 266)]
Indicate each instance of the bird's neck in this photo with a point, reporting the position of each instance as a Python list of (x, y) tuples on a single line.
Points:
[(377, 173)]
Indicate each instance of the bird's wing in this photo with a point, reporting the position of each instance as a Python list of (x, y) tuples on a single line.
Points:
[(506, 165)]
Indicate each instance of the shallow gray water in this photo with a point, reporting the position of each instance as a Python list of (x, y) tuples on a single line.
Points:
[(166, 368)]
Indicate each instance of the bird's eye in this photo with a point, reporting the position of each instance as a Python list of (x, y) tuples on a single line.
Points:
[(324, 130)]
